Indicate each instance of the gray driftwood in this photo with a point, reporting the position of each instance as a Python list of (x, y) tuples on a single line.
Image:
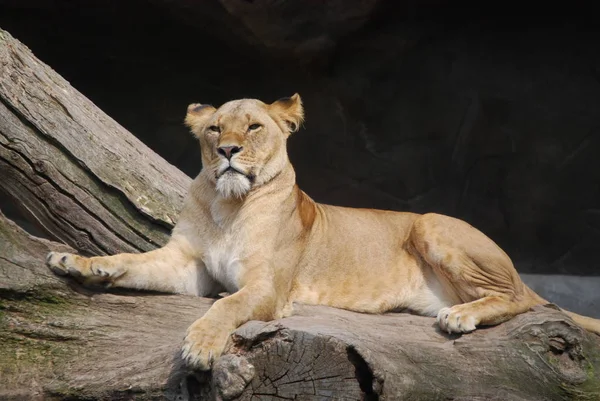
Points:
[(94, 186)]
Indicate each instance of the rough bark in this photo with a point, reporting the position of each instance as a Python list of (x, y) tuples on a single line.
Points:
[(76, 172), (89, 183)]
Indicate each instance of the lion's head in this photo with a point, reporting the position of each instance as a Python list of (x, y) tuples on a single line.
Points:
[(243, 142)]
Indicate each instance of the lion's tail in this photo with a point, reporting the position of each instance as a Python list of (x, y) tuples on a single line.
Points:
[(588, 323)]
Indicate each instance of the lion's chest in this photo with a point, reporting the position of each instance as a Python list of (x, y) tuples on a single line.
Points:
[(223, 260)]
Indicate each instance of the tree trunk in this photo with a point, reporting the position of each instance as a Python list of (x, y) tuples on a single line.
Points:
[(81, 176), (91, 184)]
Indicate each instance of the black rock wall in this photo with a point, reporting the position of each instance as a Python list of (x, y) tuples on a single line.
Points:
[(483, 114)]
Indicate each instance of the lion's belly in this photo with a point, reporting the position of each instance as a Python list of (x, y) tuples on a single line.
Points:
[(371, 277), (430, 296)]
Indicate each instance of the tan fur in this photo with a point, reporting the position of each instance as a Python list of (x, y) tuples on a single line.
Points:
[(253, 232)]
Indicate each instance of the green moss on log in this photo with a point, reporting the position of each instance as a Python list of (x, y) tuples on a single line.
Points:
[(33, 343), (590, 389), (34, 301)]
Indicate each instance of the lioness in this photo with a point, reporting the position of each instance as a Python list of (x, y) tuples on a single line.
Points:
[(248, 229)]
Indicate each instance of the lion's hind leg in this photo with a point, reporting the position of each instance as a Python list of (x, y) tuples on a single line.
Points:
[(474, 269), (489, 310)]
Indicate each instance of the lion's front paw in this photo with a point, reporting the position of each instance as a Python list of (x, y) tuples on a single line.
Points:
[(454, 320), (203, 344), (87, 270), (67, 264)]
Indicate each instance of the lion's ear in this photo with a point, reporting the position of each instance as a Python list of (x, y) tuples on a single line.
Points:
[(197, 116), (290, 110)]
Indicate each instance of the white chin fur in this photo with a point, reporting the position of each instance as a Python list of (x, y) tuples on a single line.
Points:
[(233, 185)]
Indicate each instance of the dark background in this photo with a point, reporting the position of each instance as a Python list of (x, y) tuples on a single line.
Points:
[(488, 114)]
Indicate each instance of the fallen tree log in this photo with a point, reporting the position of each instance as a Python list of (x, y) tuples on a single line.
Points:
[(58, 340), (95, 187)]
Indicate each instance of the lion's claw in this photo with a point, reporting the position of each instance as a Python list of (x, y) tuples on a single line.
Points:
[(203, 344)]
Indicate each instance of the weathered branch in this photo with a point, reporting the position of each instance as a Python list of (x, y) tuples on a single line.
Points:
[(93, 185), (85, 179)]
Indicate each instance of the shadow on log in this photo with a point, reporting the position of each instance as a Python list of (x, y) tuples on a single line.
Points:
[(92, 185)]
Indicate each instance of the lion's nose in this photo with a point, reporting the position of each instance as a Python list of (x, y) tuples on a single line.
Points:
[(229, 151)]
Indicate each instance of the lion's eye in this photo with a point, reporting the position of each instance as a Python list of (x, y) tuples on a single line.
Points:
[(214, 128), (254, 127)]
